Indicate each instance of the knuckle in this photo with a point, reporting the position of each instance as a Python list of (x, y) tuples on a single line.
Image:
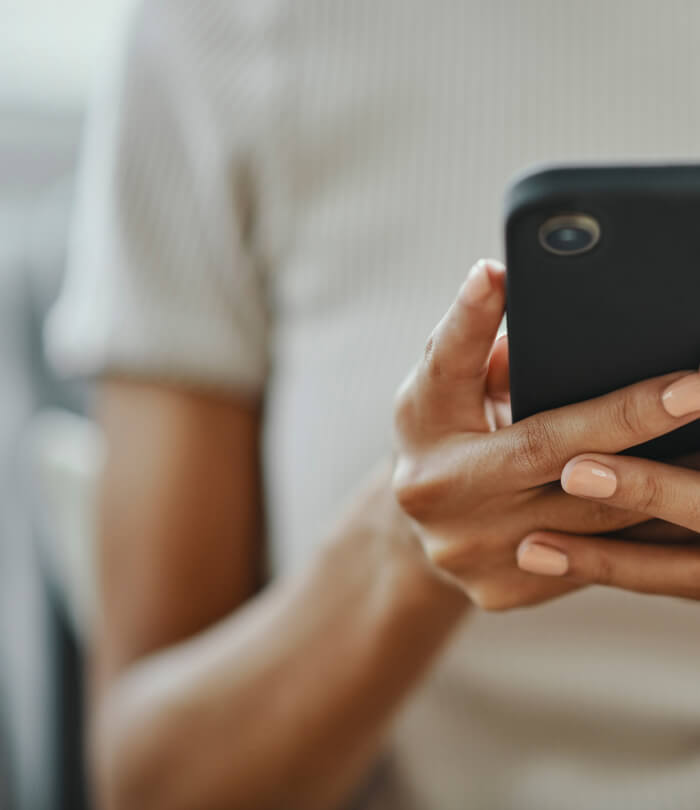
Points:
[(627, 416), (460, 558), (603, 570), (415, 489), (536, 449), (649, 493)]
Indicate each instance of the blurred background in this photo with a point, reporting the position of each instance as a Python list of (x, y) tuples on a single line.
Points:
[(51, 56)]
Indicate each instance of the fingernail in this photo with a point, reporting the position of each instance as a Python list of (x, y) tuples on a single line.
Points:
[(477, 287), (539, 559), (683, 396), (589, 479)]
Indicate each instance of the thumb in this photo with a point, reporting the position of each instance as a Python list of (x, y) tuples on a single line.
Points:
[(450, 384)]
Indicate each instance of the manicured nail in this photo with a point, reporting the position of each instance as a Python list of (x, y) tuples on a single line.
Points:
[(683, 396), (589, 479), (539, 559), (477, 287)]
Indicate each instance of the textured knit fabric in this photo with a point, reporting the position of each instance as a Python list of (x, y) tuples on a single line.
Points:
[(283, 197)]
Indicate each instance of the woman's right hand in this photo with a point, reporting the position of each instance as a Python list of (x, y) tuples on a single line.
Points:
[(475, 485)]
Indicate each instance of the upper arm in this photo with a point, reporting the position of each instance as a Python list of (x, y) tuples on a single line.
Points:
[(180, 527), (164, 283)]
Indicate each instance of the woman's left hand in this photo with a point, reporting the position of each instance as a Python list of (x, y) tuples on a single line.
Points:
[(667, 562)]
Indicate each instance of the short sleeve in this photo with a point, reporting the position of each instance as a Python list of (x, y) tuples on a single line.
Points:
[(161, 281)]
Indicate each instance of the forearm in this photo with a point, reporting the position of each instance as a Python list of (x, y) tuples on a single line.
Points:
[(285, 702)]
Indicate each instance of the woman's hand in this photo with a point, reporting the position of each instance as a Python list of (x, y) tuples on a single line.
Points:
[(669, 493), (475, 486)]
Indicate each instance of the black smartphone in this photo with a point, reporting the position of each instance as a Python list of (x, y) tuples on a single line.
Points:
[(603, 285)]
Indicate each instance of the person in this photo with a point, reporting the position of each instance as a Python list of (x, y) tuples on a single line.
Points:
[(310, 585)]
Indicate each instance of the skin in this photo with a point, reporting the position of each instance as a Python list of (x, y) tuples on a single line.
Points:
[(669, 493), (481, 490), (199, 705), (210, 692)]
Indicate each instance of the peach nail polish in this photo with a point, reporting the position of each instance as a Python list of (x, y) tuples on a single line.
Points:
[(683, 396), (540, 559), (589, 479)]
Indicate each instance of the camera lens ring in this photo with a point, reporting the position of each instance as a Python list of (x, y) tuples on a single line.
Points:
[(569, 234)]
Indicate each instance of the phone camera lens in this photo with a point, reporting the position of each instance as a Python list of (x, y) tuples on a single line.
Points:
[(569, 234), (565, 240)]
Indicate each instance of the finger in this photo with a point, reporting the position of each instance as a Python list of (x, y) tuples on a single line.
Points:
[(671, 571), (501, 414), (691, 461), (555, 510), (650, 487), (498, 386), (658, 531), (534, 451), (449, 387), (497, 379), (515, 589)]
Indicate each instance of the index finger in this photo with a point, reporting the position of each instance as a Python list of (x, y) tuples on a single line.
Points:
[(536, 449)]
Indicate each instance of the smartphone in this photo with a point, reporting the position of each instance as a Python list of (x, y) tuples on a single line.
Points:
[(603, 285)]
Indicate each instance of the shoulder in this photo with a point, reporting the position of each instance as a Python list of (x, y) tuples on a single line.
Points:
[(216, 54)]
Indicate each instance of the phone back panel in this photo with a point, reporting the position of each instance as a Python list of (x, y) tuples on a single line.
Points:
[(584, 325)]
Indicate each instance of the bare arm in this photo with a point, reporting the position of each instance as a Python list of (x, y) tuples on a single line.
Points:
[(281, 703)]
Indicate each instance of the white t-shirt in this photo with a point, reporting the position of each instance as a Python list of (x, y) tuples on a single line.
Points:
[(285, 196)]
